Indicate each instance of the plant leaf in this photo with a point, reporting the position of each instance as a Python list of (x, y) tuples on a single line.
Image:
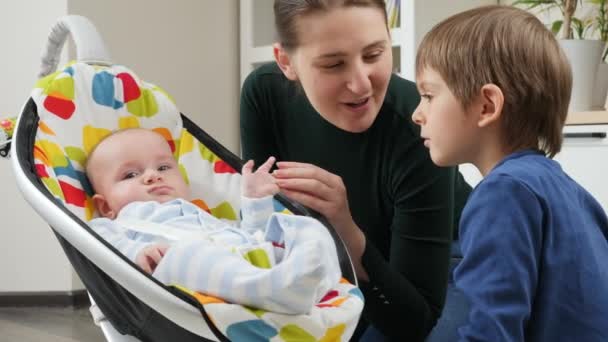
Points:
[(556, 26), (531, 4)]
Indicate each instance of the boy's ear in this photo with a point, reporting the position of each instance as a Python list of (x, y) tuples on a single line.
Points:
[(102, 206), (491, 104), (284, 61)]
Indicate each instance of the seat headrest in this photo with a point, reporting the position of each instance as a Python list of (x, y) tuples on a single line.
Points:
[(81, 104)]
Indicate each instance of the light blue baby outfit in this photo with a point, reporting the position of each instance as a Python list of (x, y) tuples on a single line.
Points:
[(209, 255)]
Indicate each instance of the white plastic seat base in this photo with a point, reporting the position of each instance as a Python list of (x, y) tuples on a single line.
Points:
[(111, 334)]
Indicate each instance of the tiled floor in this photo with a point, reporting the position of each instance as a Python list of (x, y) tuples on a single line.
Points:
[(48, 325)]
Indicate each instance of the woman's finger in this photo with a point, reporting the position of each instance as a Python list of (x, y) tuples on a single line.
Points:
[(316, 188), (306, 171), (288, 164), (306, 199), (310, 186), (283, 165)]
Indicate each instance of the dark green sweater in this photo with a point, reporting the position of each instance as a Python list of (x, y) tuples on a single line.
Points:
[(403, 202)]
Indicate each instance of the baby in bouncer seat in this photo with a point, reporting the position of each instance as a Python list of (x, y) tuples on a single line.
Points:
[(141, 197)]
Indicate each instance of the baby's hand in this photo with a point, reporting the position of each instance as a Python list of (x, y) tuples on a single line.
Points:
[(149, 257), (260, 183)]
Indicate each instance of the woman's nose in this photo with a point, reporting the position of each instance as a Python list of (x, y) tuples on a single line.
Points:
[(359, 82)]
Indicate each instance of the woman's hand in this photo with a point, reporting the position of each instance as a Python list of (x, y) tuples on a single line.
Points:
[(325, 193), (260, 183), (317, 189)]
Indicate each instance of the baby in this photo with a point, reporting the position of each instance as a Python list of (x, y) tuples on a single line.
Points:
[(141, 195)]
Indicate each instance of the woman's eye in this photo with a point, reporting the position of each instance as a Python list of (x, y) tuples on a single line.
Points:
[(332, 65), (373, 56)]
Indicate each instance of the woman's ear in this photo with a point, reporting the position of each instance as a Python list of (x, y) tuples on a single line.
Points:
[(284, 61), (103, 207), (491, 104)]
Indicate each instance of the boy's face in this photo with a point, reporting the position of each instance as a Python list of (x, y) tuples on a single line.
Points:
[(135, 165), (448, 130)]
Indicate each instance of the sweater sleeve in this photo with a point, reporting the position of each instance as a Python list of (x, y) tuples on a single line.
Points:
[(257, 141), (501, 234), (406, 291), (256, 212)]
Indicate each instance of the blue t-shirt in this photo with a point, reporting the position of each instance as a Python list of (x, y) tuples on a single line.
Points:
[(535, 256)]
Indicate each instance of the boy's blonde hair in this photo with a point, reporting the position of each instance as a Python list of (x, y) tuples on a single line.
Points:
[(512, 49)]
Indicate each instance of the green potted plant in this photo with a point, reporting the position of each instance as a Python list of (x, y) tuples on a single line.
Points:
[(567, 8), (583, 53)]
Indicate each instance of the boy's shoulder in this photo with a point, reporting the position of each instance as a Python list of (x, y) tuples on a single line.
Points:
[(526, 166), (530, 176), (526, 172)]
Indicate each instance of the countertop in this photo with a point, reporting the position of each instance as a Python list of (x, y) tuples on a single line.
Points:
[(594, 117)]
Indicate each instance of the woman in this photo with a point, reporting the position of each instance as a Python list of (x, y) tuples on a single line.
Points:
[(338, 120)]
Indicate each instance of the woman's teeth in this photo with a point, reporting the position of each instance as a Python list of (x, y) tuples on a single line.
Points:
[(358, 103)]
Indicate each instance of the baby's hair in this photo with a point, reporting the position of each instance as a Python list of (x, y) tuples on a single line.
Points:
[(106, 137), (512, 49)]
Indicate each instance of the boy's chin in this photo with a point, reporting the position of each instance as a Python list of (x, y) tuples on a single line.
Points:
[(443, 161)]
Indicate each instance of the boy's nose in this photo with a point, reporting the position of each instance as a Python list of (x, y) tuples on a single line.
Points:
[(417, 116)]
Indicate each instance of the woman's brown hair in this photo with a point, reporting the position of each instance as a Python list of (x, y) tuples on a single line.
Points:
[(287, 13)]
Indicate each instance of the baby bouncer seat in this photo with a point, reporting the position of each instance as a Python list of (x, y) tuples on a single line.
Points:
[(69, 111)]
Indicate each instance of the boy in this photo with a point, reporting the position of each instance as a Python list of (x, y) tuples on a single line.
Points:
[(140, 193), (495, 88)]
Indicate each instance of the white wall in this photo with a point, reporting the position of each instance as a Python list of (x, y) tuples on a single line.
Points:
[(434, 11), (188, 47), (30, 256)]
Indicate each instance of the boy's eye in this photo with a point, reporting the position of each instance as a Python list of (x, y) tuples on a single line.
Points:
[(426, 97), (164, 167)]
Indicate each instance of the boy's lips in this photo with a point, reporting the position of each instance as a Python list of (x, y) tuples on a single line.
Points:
[(426, 141)]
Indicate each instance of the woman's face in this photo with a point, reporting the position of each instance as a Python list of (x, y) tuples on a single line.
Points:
[(343, 62)]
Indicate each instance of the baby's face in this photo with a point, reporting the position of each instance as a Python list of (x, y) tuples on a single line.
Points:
[(134, 165)]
